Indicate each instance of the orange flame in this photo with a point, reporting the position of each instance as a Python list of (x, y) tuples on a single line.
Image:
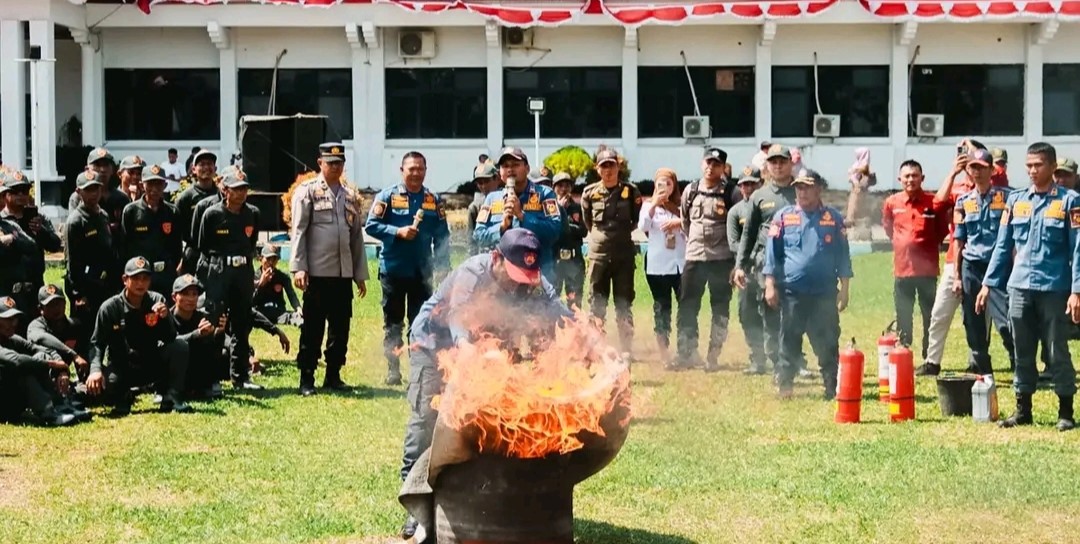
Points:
[(531, 409)]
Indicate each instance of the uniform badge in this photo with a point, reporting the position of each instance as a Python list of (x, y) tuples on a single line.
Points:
[(970, 206), (721, 209), (1074, 218), (533, 204), (792, 219), (101, 152), (530, 259), (140, 262), (155, 170), (1056, 210), (497, 207), (774, 230), (768, 205), (51, 289), (166, 228), (483, 215), (551, 208), (1022, 209), (625, 193), (441, 210), (9, 302), (828, 238), (248, 230), (17, 175), (151, 319), (827, 219), (399, 202), (379, 210), (576, 217), (277, 288)]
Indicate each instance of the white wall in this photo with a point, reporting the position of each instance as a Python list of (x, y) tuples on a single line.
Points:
[(258, 47), (455, 47), (570, 46), (971, 43), (703, 45), (1064, 46), (795, 45), (158, 48)]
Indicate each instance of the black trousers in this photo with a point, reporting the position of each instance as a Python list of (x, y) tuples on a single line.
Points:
[(229, 289), (402, 298), (905, 292), (327, 309), (164, 368), (206, 360), (662, 288), (976, 326), (22, 388), (818, 318), (752, 324), (695, 277), (570, 280), (609, 277)]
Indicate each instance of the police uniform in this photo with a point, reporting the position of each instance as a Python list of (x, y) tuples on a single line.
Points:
[(806, 255), (709, 261), (151, 233), (328, 244), (112, 200), (569, 262), (93, 265), (611, 214), (1037, 258), (65, 336), (977, 218), (45, 237), (185, 209), (269, 299), (539, 210), (24, 377), (227, 239), (406, 266), (749, 316), (206, 354), (764, 204), (484, 171), (140, 348)]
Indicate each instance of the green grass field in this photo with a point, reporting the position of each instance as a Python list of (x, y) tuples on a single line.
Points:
[(710, 458)]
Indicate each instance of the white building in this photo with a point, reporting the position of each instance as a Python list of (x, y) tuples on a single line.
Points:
[(610, 70)]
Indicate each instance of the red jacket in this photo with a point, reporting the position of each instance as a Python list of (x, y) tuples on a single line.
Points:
[(916, 225)]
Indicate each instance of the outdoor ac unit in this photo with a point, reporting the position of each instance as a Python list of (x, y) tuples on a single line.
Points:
[(826, 126), (930, 125), (517, 38), (416, 44), (695, 126)]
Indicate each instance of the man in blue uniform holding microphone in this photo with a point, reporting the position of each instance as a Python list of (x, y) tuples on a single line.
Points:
[(410, 222), (523, 204), (1037, 257), (806, 256)]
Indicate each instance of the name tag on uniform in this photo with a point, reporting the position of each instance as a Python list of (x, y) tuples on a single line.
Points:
[(141, 229), (323, 204), (497, 207), (222, 232), (768, 205), (533, 205), (399, 202), (1022, 209), (827, 220), (1055, 211), (970, 206), (792, 219), (90, 233)]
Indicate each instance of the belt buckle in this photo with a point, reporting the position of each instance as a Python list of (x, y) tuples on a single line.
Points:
[(17, 288), (237, 260), (159, 266), (566, 254)]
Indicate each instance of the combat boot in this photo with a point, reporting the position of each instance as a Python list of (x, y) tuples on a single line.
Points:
[(307, 383), (171, 402), (51, 417), (663, 346), (1022, 416), (332, 380), (393, 371), (830, 384), (1065, 413), (408, 529)]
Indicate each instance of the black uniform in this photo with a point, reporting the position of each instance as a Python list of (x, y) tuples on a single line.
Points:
[(46, 240), (207, 355), (113, 201), (140, 349), (197, 214), (152, 235), (185, 207), (24, 379), (65, 336), (569, 263), (18, 258), (228, 239), (93, 267), (270, 298)]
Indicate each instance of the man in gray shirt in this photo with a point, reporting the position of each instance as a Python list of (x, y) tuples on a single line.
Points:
[(484, 178), (709, 261), (327, 256), (749, 317)]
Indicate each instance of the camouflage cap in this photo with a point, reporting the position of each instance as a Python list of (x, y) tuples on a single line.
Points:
[(234, 178), (1000, 155), (12, 179), (131, 162), (1066, 164), (270, 250)]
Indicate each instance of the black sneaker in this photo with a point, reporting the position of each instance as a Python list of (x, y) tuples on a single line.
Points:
[(928, 369), (247, 385), (393, 378), (408, 529), (1065, 425)]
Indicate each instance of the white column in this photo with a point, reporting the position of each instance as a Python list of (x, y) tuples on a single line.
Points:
[(229, 92), (493, 35), (1039, 36), (763, 82), (904, 36), (630, 92), (93, 87), (42, 35), (361, 151), (376, 107), (13, 89)]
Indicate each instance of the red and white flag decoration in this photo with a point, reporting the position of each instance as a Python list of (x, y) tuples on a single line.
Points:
[(523, 13), (942, 9), (633, 13)]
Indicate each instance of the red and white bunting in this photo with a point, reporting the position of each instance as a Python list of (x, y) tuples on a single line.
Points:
[(634, 13), (966, 11), (508, 13)]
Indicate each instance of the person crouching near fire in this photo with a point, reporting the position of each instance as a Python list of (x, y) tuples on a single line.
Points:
[(461, 310)]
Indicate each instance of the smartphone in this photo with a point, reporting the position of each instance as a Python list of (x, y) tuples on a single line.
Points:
[(961, 150)]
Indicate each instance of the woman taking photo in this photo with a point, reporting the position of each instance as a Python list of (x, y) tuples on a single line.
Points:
[(666, 255)]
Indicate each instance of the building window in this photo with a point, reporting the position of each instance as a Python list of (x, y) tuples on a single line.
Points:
[(319, 91), (858, 94), (976, 99), (578, 102), (1061, 99), (162, 104), (436, 103), (726, 95)]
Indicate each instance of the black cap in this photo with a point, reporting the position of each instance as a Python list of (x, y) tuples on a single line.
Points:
[(332, 152), (185, 281), (48, 294), (86, 179), (512, 152), (809, 177), (715, 154), (136, 266), (520, 249), (99, 154)]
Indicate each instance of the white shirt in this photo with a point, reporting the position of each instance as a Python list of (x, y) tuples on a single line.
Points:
[(173, 169), (659, 260)]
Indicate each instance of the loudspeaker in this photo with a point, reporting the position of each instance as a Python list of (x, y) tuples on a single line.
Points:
[(276, 149), (270, 208)]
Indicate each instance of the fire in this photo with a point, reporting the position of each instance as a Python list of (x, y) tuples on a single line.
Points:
[(532, 408)]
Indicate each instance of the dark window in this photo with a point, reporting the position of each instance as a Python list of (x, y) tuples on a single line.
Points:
[(976, 100), (318, 91), (1061, 99), (858, 94), (578, 102), (163, 104), (726, 95), (436, 103)]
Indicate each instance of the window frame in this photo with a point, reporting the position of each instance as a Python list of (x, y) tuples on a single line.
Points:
[(573, 101), (879, 129), (949, 85), (429, 95), (120, 124), (717, 104), (1049, 81)]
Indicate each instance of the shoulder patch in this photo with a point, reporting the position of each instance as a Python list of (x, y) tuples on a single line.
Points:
[(551, 208), (484, 214), (774, 230), (1074, 218), (379, 210)]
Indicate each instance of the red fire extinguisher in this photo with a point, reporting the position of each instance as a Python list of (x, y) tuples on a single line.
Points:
[(901, 384), (885, 344), (849, 385)]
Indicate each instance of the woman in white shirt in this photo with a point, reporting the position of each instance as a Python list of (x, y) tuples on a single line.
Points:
[(666, 255)]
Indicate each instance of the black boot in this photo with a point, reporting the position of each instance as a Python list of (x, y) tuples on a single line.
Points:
[(1065, 413), (307, 383), (408, 529), (51, 417), (830, 385), (393, 371), (172, 402), (1022, 416), (333, 379)]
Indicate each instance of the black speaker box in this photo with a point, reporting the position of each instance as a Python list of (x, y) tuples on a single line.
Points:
[(275, 150), (270, 208)]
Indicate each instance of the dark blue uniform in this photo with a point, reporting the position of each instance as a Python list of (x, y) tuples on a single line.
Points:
[(406, 266), (1042, 230), (806, 254), (449, 317), (977, 217), (540, 208)]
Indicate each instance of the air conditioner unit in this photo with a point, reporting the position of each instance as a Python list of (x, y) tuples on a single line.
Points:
[(416, 44), (695, 127), (517, 37), (826, 126), (930, 125)]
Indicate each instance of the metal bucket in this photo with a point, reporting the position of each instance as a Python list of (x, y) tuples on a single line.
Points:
[(954, 394)]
